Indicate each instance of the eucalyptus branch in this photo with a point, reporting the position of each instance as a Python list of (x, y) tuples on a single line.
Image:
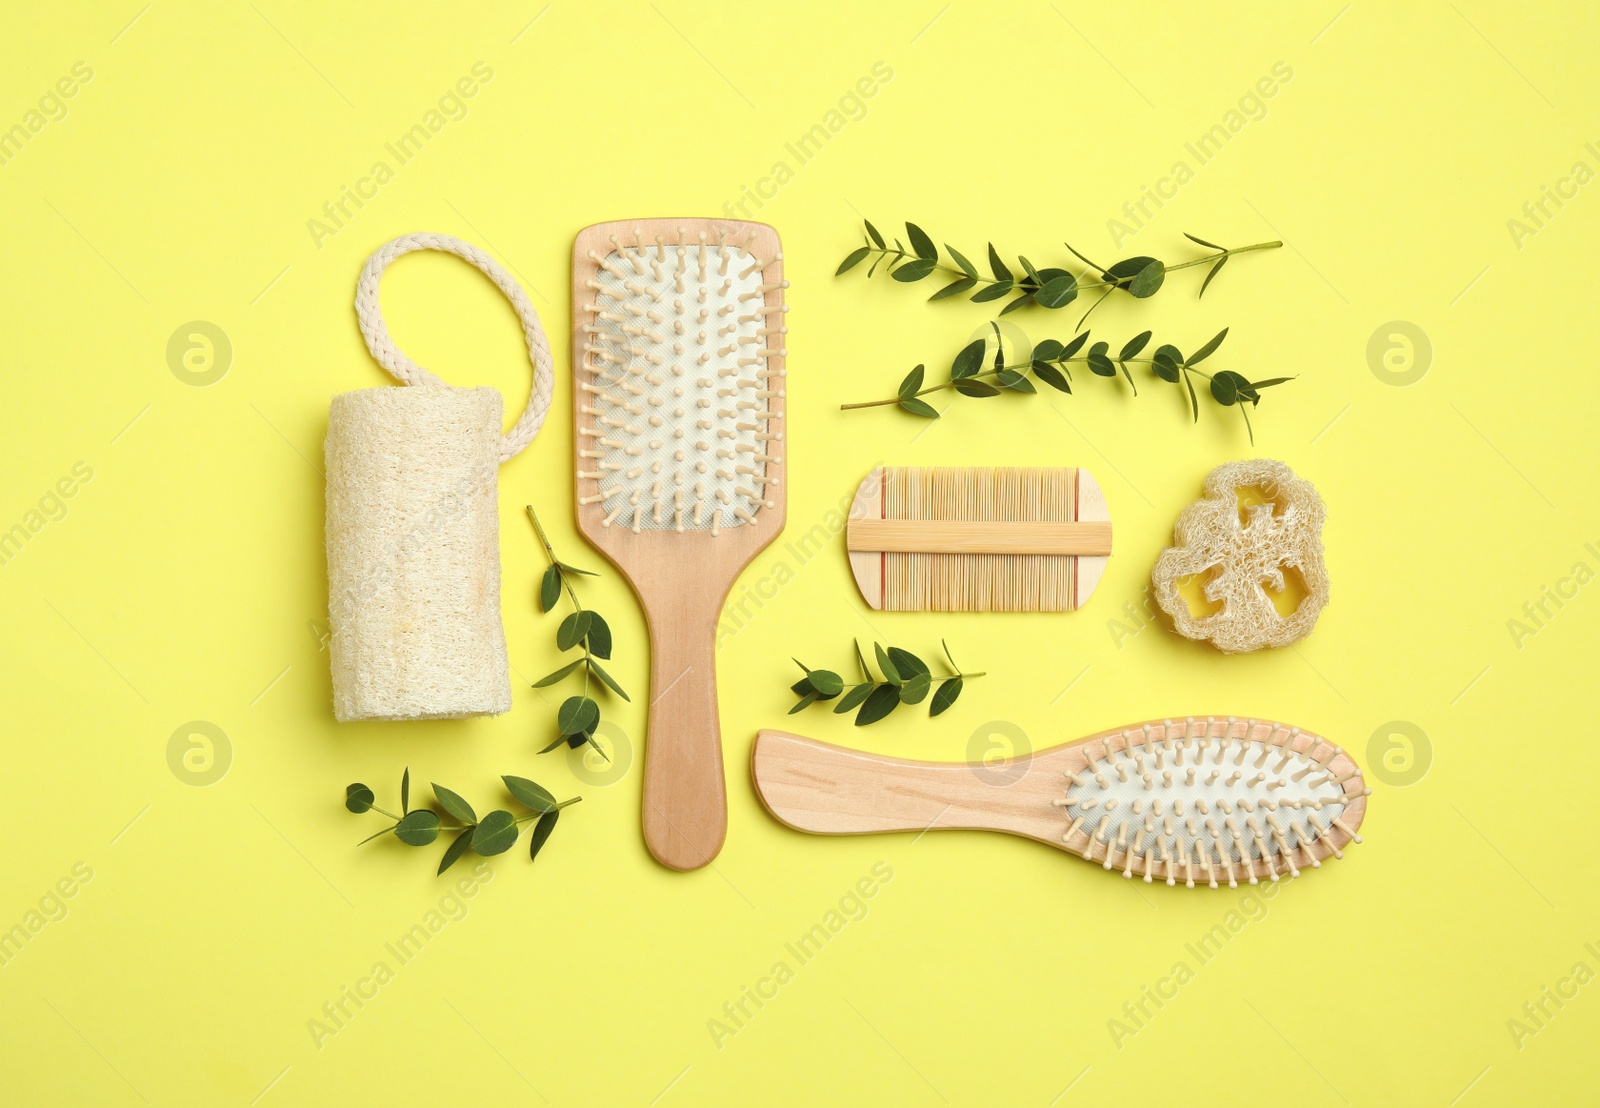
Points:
[(579, 715), (1049, 361), (491, 835), (1140, 277), (906, 680)]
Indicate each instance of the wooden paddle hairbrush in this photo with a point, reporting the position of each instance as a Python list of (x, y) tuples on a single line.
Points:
[(1199, 800), (678, 325), (978, 540)]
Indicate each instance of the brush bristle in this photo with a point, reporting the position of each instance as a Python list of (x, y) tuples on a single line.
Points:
[(679, 431), (1210, 801)]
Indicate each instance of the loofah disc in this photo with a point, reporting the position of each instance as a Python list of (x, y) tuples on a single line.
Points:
[(1241, 558)]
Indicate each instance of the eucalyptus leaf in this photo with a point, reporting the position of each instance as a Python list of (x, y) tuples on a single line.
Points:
[(1099, 363), (1051, 376), (549, 588), (946, 696), (358, 798), (577, 715), (405, 791), (883, 700), (1132, 347), (886, 664), (1228, 387), (967, 387), (572, 630), (954, 288), (1201, 241), (872, 232), (495, 834), (1209, 348), (804, 702), (453, 803), (1165, 362), (1001, 273), (1122, 273), (1024, 299), (1212, 272), (914, 270), (919, 408), (969, 361), (610, 682), (912, 383), (1074, 346), (529, 794), (1148, 280), (599, 636), (418, 828), (541, 831), (1057, 292), (960, 259), (992, 292), (827, 683), (921, 243), (851, 699), (458, 847), (1047, 350), (915, 689), (906, 664), (853, 259)]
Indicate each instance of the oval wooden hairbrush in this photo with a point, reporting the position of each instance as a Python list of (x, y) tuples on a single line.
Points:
[(1208, 800)]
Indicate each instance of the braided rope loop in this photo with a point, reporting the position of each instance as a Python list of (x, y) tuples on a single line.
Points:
[(408, 372)]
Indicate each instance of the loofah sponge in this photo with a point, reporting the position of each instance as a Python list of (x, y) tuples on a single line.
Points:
[(413, 521), (414, 554), (1239, 557)]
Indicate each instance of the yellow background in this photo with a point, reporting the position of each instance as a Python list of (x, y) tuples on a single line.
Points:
[(186, 581)]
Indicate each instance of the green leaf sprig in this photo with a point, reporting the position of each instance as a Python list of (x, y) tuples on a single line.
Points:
[(1049, 363), (579, 715), (493, 834), (1140, 277), (906, 680)]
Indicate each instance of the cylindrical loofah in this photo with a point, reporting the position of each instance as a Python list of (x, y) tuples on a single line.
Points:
[(413, 525), (414, 554)]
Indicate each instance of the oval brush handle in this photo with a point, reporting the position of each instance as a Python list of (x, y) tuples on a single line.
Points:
[(829, 790), (685, 808)]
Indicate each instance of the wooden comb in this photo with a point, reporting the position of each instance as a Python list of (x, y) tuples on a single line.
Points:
[(1203, 800), (978, 540), (677, 329)]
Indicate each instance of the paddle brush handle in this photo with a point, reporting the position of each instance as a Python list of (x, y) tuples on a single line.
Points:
[(685, 805)]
